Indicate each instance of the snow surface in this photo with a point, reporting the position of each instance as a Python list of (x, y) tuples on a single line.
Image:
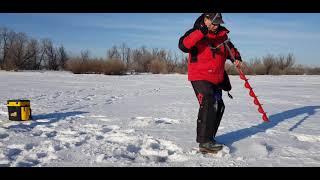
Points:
[(150, 120)]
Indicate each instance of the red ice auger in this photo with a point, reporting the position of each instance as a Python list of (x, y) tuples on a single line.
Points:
[(247, 85)]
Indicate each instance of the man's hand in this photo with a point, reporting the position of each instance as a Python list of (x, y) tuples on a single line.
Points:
[(237, 63), (204, 29)]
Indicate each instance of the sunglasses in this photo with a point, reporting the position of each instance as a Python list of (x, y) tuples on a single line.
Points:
[(215, 24)]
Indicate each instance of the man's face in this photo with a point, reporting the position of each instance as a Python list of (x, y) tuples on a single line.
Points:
[(211, 27)]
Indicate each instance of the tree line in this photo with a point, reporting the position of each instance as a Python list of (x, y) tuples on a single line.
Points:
[(18, 51)]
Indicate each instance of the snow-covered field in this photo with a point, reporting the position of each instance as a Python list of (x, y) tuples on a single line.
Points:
[(150, 120)]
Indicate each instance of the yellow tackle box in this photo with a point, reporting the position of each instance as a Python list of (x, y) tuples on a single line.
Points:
[(19, 110)]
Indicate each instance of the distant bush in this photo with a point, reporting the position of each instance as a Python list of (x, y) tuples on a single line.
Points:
[(256, 67), (259, 69), (181, 69), (313, 71), (272, 65), (231, 69), (114, 67), (156, 67), (111, 67), (76, 66), (275, 71), (269, 62)]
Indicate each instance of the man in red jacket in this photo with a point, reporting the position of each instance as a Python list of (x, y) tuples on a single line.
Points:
[(206, 44)]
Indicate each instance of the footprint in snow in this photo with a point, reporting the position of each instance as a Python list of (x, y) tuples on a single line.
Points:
[(112, 99), (3, 135), (13, 153), (307, 137), (29, 146), (145, 121), (89, 97), (101, 118), (51, 134), (166, 121)]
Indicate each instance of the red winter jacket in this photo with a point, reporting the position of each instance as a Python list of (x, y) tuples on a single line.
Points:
[(204, 63)]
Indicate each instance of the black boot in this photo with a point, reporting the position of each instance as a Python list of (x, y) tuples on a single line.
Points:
[(209, 147), (215, 142)]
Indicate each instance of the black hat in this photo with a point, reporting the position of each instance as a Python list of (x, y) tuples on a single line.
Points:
[(216, 18)]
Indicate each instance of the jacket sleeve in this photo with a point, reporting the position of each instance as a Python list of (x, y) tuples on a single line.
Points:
[(234, 51), (189, 39)]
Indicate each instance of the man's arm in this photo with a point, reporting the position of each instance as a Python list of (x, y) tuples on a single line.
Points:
[(235, 53), (191, 37)]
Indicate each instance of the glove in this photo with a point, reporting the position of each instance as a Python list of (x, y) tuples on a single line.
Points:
[(204, 29)]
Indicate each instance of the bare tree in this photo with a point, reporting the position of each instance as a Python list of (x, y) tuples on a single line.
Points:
[(21, 53), (125, 53), (31, 56), (145, 60), (18, 49), (128, 57), (162, 55), (7, 38), (41, 59), (85, 55), (136, 56), (1, 48), (123, 48), (168, 55), (62, 57), (281, 62), (113, 53), (51, 57), (268, 62), (172, 63), (290, 60), (155, 52)]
